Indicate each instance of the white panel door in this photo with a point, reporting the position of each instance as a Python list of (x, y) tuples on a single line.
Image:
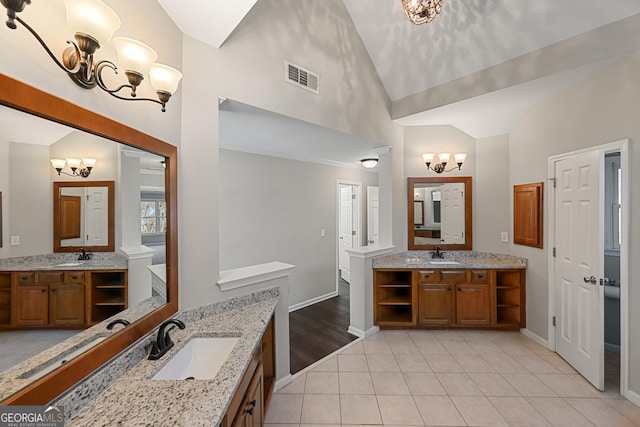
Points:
[(347, 231), (452, 216), (373, 215), (97, 216), (578, 265)]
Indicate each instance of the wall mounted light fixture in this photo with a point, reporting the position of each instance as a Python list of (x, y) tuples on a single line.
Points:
[(443, 159), (369, 163), (94, 23), (74, 165)]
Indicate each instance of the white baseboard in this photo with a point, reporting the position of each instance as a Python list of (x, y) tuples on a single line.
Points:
[(535, 337), (633, 397), (612, 347), (312, 301), (362, 334), (286, 380)]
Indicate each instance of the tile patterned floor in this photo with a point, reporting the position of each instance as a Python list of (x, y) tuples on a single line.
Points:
[(447, 378)]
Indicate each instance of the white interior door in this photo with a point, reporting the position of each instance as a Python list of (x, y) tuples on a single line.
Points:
[(452, 217), (97, 216), (347, 229), (373, 215), (579, 266)]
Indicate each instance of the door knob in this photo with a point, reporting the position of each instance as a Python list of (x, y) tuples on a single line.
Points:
[(591, 280)]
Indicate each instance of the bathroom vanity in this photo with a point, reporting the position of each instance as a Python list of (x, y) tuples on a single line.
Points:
[(464, 290)]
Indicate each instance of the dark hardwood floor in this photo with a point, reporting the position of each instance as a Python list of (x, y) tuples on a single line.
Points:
[(319, 330)]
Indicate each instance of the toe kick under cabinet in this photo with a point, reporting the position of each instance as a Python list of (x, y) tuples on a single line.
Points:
[(60, 299), (449, 298)]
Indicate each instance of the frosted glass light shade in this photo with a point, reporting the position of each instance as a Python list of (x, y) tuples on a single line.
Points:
[(58, 163), (460, 157), (428, 157), (164, 78), (369, 163), (134, 55), (74, 163), (88, 162), (444, 157), (92, 17)]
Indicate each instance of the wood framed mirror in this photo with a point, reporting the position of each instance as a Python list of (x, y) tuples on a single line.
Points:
[(446, 213), (19, 96)]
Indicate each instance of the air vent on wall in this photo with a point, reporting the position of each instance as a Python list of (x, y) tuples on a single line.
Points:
[(300, 77)]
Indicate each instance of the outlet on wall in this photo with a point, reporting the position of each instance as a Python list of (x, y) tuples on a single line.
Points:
[(504, 236), (15, 240), (322, 232)]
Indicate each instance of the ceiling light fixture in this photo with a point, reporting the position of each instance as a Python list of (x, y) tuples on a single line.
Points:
[(369, 163), (74, 165), (421, 11), (94, 23), (443, 159)]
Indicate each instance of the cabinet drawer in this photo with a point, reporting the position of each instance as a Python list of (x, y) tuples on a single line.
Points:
[(26, 278), (427, 276), (74, 277), (453, 276), (50, 277), (479, 276)]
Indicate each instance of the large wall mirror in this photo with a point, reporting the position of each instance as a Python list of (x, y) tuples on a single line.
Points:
[(122, 155), (440, 213)]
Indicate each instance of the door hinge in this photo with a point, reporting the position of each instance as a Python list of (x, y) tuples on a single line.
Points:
[(554, 320), (353, 233), (554, 252), (353, 197), (553, 180)]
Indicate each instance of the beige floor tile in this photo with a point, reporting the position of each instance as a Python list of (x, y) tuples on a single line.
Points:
[(358, 409), (438, 411), (478, 411), (412, 363), (422, 336), (283, 425), (493, 385), (442, 363), (397, 335), (404, 348), (317, 425), (376, 347), (558, 362), (352, 363), (399, 410), (515, 349), (431, 347), (626, 408), (387, 383), (329, 365), (535, 364), (424, 384), (473, 363), (458, 384), (356, 348), (382, 363), (470, 335), (558, 412), (448, 335), (528, 385), (504, 364), (321, 409), (564, 385), (322, 383), (600, 413), (518, 412), (378, 336), (356, 383), (295, 387), (459, 347), (284, 409), (486, 348)]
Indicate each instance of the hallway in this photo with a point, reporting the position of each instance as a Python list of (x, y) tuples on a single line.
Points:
[(454, 378)]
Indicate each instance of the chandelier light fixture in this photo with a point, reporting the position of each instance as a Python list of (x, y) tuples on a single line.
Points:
[(421, 11), (74, 165), (94, 23), (442, 159)]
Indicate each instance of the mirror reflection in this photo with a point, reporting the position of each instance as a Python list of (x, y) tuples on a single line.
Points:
[(118, 213), (439, 213)]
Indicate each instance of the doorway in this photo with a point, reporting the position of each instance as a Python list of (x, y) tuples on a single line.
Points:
[(348, 225), (585, 222)]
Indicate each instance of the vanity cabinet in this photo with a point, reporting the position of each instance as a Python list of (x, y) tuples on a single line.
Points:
[(32, 305), (5, 299), (449, 298)]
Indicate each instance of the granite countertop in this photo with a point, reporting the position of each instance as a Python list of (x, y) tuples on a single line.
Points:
[(451, 260), (65, 261), (135, 399)]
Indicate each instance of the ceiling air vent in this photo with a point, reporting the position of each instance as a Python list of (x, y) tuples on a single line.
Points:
[(300, 77)]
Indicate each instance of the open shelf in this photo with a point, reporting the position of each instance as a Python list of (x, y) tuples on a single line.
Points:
[(394, 297), (108, 294), (508, 296), (5, 299)]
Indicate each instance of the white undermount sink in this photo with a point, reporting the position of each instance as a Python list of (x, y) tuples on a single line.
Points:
[(444, 262), (201, 358), (68, 264)]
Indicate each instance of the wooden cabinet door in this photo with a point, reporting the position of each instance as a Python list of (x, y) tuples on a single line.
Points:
[(473, 307), (436, 305), (251, 411), (32, 305), (66, 305)]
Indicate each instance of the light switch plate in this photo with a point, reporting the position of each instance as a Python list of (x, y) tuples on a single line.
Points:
[(504, 236), (15, 240)]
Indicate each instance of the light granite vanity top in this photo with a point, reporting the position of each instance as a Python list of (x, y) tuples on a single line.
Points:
[(65, 261), (460, 259), (134, 399)]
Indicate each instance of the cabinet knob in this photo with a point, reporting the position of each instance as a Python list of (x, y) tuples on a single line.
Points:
[(248, 409), (43, 290)]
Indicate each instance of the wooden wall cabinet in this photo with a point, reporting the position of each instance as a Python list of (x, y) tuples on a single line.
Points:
[(528, 214), (450, 298)]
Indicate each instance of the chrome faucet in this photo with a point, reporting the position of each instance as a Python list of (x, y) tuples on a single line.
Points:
[(437, 253), (83, 255), (163, 341)]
